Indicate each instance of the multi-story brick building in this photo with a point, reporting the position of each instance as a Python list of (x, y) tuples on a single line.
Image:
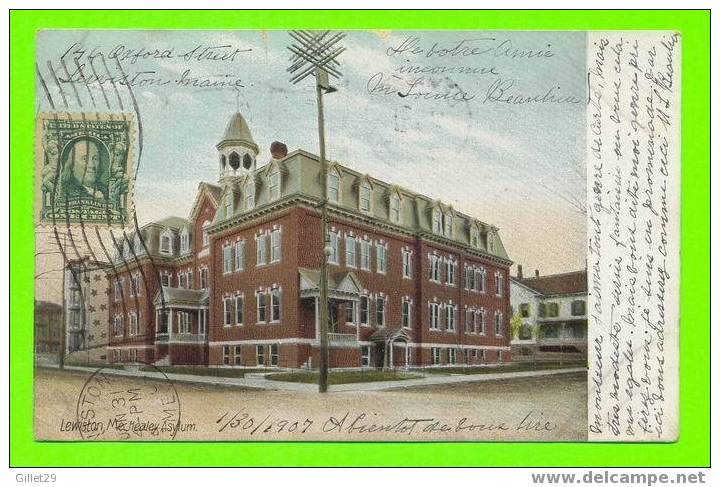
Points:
[(412, 281)]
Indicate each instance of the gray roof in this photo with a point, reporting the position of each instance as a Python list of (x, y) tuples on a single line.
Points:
[(237, 130), (179, 296), (175, 222)]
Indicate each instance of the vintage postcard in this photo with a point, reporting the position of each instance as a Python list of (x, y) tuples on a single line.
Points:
[(357, 235)]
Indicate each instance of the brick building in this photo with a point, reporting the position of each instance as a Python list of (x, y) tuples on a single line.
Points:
[(412, 281)]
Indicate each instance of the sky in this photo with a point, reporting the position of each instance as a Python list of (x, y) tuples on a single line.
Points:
[(453, 136)]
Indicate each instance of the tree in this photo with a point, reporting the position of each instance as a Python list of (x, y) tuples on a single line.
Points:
[(516, 322)]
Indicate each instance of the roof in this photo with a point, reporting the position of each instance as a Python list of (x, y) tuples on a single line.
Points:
[(339, 283), (175, 222), (237, 130), (174, 296), (566, 283), (389, 335)]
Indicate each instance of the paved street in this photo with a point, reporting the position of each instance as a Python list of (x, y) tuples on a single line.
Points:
[(548, 408)]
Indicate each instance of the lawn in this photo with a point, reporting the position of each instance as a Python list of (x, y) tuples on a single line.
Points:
[(521, 367), (347, 377)]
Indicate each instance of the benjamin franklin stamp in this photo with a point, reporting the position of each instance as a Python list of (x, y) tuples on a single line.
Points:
[(84, 168)]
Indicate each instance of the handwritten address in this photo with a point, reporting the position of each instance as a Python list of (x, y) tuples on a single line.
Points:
[(633, 153)]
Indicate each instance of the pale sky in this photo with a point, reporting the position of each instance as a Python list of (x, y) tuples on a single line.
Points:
[(511, 165)]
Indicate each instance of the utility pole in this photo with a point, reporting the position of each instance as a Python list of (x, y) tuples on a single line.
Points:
[(315, 54)]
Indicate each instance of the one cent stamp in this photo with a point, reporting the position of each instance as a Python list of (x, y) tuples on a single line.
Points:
[(84, 168), (114, 407)]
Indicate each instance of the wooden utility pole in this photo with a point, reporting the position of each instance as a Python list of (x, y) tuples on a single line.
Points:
[(324, 350)]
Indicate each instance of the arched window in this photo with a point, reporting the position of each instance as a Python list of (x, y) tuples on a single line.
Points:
[(223, 161), (333, 186), (474, 236), (274, 184), (365, 196), (395, 208), (247, 161), (437, 221), (234, 160), (449, 224), (205, 234)]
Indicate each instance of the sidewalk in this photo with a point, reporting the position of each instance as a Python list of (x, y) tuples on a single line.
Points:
[(258, 380)]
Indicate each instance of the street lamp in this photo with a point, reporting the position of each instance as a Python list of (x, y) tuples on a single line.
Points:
[(315, 53)]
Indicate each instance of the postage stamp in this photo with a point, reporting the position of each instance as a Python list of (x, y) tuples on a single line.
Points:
[(357, 236), (85, 169)]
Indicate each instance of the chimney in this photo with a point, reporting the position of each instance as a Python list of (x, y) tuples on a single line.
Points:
[(537, 273), (278, 150), (519, 271)]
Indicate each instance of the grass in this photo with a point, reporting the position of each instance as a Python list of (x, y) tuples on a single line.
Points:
[(202, 370), (518, 367), (335, 378)]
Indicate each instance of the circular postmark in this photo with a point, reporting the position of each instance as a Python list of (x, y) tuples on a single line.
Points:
[(121, 407)]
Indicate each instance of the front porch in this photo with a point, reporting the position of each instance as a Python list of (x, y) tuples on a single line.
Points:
[(181, 323)]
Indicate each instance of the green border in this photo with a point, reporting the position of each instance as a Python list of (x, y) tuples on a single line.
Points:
[(693, 448)]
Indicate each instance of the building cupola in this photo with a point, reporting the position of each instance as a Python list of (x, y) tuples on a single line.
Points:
[(237, 150)]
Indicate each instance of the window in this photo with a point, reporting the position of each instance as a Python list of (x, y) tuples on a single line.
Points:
[(525, 310), (365, 356), (261, 307), (260, 241), (333, 186), (364, 310), (184, 241), (118, 289), (202, 321), (480, 321), (498, 323), (260, 350), (381, 257), (474, 236), (239, 309), (228, 311), (134, 285), (227, 259), (435, 355), (275, 249), (435, 268), (552, 310), (365, 255), (350, 313), (190, 282), (205, 234), (133, 324), (365, 196), (226, 355), (274, 184), (542, 310), (450, 274), (380, 311), (118, 325), (249, 195), (452, 355), (449, 224), (451, 316), (407, 263), (203, 278), (469, 320), (434, 316), (499, 284), (239, 255), (480, 279), (406, 313), (275, 305), (578, 307), (182, 280), (165, 244), (228, 205), (334, 257), (350, 251), (165, 278), (237, 355), (183, 322), (437, 221), (395, 208), (274, 355), (234, 160)]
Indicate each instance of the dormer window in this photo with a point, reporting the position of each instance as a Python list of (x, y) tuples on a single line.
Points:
[(223, 161), (365, 196), (395, 208), (474, 236), (228, 205), (449, 224), (205, 234), (333, 186), (166, 243), (249, 195), (437, 226), (274, 184), (184, 240)]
